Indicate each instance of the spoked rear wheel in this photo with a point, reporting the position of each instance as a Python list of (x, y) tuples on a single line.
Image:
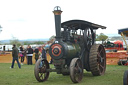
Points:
[(40, 72), (76, 70), (97, 60)]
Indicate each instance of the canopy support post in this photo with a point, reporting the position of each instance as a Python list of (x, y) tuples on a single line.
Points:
[(124, 41)]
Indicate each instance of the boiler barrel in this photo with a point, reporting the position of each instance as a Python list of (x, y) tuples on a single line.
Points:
[(64, 50), (72, 50)]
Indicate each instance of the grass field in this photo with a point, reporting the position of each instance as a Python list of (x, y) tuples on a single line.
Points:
[(25, 76)]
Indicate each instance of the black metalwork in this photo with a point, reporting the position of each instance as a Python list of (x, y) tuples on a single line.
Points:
[(57, 12), (81, 24), (88, 39), (74, 49)]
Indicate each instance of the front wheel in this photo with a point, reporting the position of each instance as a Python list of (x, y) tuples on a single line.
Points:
[(76, 70), (40, 72)]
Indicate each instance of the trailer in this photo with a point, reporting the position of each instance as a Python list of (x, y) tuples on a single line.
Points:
[(124, 61)]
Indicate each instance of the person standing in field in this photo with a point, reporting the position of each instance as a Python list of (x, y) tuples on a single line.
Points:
[(15, 53), (22, 54), (36, 54), (43, 56), (43, 53), (29, 55)]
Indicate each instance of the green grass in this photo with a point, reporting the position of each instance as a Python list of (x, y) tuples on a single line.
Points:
[(25, 76)]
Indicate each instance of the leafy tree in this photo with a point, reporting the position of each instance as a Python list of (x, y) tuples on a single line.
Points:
[(15, 41), (26, 43), (51, 38), (101, 37)]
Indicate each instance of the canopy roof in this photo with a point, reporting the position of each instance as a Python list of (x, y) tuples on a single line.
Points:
[(124, 31), (80, 24)]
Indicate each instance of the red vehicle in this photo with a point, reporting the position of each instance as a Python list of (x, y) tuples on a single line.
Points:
[(124, 61)]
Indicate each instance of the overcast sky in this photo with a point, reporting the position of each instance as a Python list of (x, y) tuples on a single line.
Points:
[(28, 19)]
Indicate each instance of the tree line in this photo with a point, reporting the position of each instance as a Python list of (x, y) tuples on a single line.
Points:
[(19, 43)]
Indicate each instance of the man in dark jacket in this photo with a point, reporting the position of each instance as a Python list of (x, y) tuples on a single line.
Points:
[(36, 53), (43, 53), (29, 55), (15, 53)]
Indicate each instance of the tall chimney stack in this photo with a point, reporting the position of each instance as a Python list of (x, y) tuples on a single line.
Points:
[(57, 13)]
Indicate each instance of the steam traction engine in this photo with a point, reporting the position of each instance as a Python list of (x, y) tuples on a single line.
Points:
[(74, 49)]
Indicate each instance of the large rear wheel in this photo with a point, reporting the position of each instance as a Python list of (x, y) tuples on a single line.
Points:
[(97, 60), (76, 70), (40, 72)]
